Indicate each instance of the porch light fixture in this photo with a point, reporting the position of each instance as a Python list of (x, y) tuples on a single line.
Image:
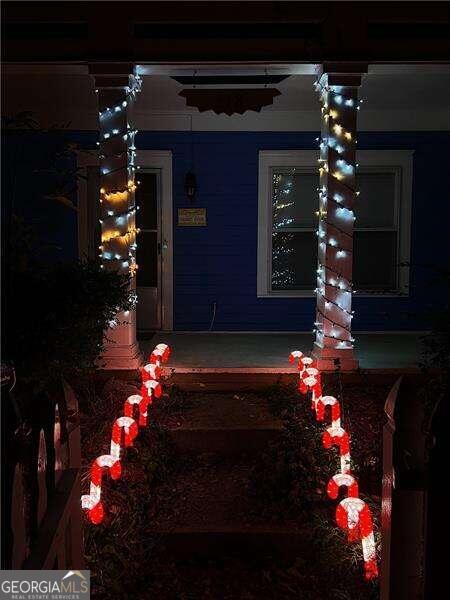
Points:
[(190, 185)]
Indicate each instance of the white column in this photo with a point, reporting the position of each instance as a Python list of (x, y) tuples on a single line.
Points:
[(118, 225), (338, 93)]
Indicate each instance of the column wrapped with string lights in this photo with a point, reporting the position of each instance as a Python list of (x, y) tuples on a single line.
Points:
[(337, 193), (117, 153), (117, 157)]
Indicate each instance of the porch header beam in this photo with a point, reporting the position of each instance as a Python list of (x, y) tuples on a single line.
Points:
[(304, 32)]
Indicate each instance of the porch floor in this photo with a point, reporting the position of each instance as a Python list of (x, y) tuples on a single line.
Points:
[(214, 351)]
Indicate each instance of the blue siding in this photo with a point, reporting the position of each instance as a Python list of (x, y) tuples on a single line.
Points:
[(218, 263)]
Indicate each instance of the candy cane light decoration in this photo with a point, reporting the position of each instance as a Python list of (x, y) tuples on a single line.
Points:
[(124, 431), (295, 355), (154, 388), (352, 513), (322, 403), (304, 363), (150, 371), (354, 516), (337, 436), (161, 353), (141, 402), (342, 480), (92, 501)]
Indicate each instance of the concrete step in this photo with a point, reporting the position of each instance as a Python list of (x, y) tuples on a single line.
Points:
[(221, 423), (229, 380), (208, 508)]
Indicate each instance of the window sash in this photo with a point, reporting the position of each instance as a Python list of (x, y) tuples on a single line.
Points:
[(398, 162)]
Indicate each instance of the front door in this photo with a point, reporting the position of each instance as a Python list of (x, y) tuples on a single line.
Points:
[(148, 253)]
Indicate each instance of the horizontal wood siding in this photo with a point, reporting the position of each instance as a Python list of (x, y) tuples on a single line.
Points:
[(218, 263)]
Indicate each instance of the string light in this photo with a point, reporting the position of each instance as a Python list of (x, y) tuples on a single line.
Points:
[(118, 219), (336, 217)]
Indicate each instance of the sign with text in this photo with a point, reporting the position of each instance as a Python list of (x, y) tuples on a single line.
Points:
[(45, 584), (191, 217)]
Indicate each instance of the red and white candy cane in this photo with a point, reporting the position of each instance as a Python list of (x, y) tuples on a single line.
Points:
[(312, 381), (295, 355), (142, 403), (150, 371), (92, 501), (337, 436), (303, 364), (153, 388), (126, 428), (160, 354), (124, 431), (331, 401), (352, 513), (354, 516), (342, 480)]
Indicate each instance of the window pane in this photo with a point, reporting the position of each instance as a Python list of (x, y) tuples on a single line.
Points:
[(146, 199), (294, 260), (294, 199), (375, 205), (375, 260), (147, 259)]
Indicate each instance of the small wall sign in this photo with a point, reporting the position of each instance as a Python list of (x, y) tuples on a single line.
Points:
[(192, 217)]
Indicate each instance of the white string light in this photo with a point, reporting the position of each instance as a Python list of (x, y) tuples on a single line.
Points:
[(336, 217)]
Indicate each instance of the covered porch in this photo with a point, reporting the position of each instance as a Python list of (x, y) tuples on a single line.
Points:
[(252, 352)]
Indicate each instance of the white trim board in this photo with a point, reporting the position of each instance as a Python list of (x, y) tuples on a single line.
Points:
[(398, 161), (162, 160)]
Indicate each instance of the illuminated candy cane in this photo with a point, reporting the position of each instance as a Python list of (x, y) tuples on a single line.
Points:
[(142, 403), (321, 405), (354, 516), (92, 501), (295, 355), (150, 371), (160, 354), (125, 428), (336, 436), (129, 427), (153, 388), (342, 480), (166, 351), (311, 381), (302, 366)]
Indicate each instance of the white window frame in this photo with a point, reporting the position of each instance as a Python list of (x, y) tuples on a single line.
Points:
[(399, 162)]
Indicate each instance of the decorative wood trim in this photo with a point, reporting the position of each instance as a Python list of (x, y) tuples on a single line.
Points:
[(162, 160)]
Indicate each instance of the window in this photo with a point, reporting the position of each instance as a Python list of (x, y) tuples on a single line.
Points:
[(287, 241)]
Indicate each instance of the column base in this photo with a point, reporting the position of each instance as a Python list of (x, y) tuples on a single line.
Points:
[(332, 359), (120, 357)]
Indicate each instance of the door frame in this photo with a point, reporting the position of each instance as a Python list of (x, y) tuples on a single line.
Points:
[(150, 159), (162, 161)]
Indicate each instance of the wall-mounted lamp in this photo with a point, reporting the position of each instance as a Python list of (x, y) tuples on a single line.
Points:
[(190, 185)]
